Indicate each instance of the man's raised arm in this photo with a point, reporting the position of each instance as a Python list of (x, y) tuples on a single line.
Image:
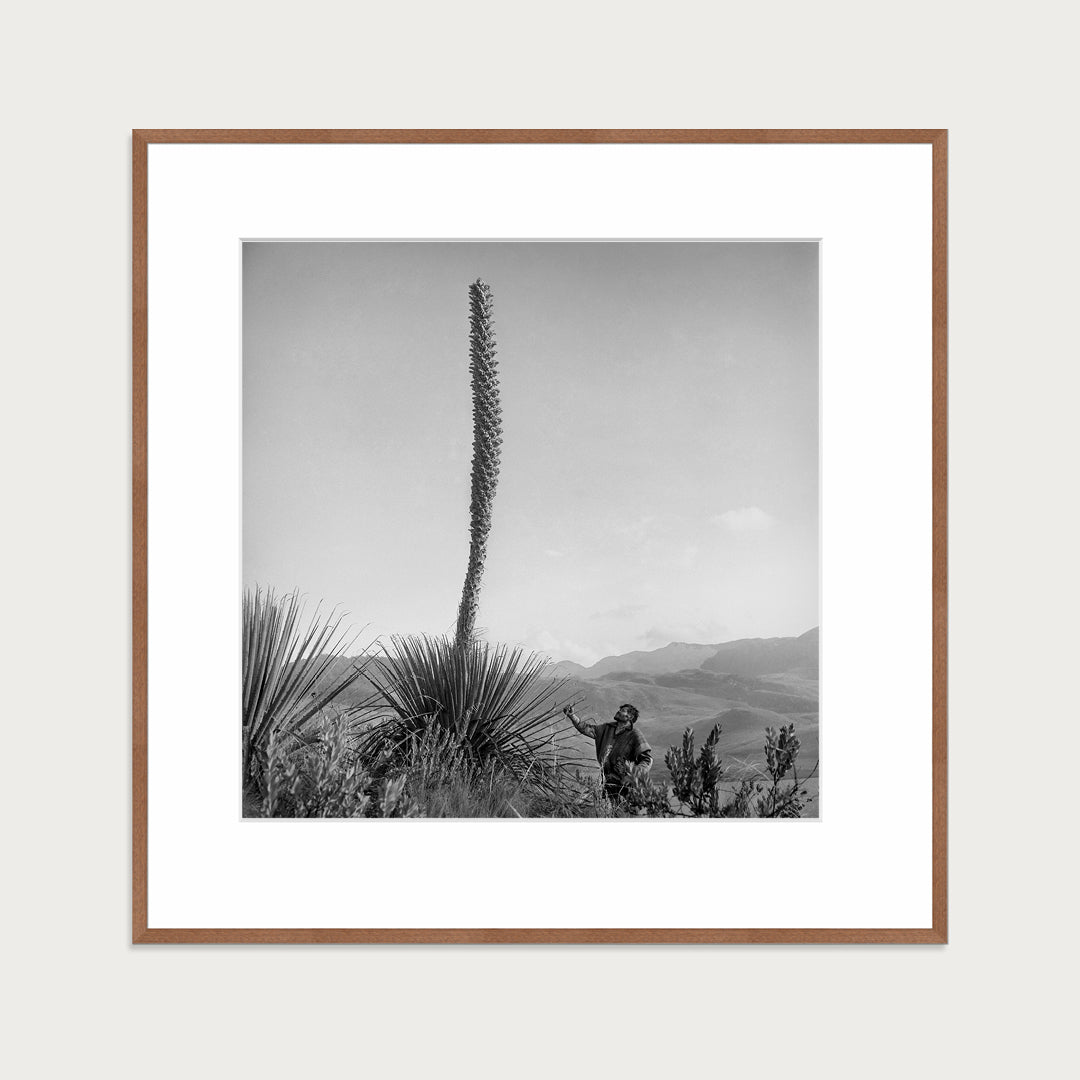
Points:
[(583, 726)]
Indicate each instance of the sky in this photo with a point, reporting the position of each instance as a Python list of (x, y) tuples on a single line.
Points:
[(659, 474)]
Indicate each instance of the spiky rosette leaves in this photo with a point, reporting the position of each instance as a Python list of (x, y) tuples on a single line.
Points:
[(497, 705), (291, 671), (487, 440)]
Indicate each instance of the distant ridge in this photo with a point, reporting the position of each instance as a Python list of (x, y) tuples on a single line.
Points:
[(568, 667), (766, 656), (745, 656)]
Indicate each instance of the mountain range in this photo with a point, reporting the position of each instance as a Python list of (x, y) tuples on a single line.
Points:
[(747, 656)]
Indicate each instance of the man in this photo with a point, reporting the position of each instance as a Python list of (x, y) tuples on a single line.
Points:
[(620, 748)]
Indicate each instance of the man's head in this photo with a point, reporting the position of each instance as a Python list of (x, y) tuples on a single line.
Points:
[(627, 714)]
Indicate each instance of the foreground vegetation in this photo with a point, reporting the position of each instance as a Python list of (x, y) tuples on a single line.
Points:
[(453, 730), (329, 771)]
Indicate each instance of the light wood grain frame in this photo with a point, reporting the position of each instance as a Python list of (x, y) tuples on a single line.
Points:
[(142, 933)]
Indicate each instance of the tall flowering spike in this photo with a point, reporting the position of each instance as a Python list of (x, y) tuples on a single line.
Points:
[(487, 438)]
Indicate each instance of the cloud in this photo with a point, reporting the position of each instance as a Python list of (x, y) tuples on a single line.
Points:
[(709, 632), (748, 519), (624, 611), (636, 529), (561, 648), (551, 553)]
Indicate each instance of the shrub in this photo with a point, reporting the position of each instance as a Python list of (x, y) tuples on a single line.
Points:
[(321, 775), (781, 751), (641, 797), (694, 782)]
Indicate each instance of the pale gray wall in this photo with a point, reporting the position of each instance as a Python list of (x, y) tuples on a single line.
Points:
[(994, 1003)]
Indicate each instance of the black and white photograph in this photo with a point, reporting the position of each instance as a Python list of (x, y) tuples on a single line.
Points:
[(530, 529)]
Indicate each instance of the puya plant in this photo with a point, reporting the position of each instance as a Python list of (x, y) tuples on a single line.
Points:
[(496, 702), (487, 443), (492, 703), (695, 780)]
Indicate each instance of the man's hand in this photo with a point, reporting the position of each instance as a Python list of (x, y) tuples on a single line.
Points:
[(585, 727)]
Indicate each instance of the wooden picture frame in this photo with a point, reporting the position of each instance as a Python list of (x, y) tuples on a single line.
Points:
[(144, 933)]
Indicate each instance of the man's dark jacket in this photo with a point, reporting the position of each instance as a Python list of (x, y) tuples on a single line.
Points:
[(618, 752)]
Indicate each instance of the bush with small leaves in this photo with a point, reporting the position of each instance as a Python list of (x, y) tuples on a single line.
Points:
[(781, 751), (640, 797), (320, 775), (694, 781)]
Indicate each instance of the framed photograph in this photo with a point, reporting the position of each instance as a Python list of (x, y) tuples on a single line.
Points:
[(539, 536)]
